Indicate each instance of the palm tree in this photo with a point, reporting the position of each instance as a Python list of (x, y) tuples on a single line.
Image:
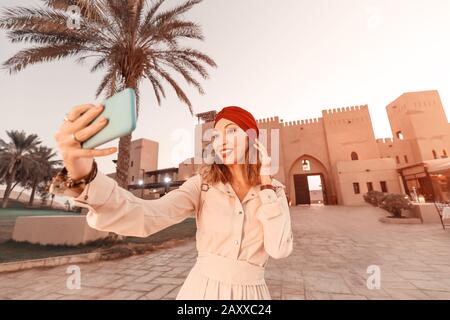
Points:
[(42, 169), (129, 39), (15, 156)]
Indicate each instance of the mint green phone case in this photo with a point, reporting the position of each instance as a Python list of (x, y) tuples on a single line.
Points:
[(120, 110)]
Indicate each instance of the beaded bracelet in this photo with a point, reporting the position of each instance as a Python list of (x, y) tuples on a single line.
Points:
[(62, 184)]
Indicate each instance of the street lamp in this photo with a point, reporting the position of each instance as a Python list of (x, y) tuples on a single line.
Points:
[(142, 184), (167, 180)]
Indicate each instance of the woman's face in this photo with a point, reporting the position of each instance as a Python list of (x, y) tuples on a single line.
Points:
[(229, 142)]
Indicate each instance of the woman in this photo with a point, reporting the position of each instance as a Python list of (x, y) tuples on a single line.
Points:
[(242, 214)]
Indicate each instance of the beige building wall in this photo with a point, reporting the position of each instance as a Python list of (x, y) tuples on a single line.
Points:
[(363, 171), (419, 118), (143, 156)]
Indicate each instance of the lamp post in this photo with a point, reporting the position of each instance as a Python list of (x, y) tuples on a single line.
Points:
[(167, 180), (143, 183)]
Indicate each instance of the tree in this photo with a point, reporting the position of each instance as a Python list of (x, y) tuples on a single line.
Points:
[(395, 203), (15, 156), (42, 169), (130, 39)]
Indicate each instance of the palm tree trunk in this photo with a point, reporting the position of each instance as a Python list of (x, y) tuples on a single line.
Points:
[(30, 202), (20, 194), (6, 195), (8, 190), (123, 161)]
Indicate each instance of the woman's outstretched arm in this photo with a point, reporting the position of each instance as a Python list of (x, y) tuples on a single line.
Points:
[(274, 214), (114, 209)]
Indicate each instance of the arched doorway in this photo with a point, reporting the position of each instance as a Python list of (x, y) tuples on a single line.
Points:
[(309, 182)]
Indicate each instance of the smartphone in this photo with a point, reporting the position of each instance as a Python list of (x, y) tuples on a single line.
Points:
[(120, 110)]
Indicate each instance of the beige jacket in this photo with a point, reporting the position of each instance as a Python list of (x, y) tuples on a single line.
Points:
[(253, 230)]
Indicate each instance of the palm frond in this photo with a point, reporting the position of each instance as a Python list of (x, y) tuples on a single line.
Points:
[(157, 87), (168, 15), (185, 73), (40, 54), (180, 93), (128, 39), (91, 10)]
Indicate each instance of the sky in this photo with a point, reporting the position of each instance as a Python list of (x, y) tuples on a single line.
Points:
[(286, 58)]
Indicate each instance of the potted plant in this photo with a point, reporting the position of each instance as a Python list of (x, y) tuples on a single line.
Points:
[(374, 197), (395, 204)]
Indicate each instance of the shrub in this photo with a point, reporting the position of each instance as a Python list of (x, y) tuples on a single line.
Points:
[(395, 203), (374, 197)]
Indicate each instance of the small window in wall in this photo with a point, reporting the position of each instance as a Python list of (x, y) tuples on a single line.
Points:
[(397, 158), (406, 159), (356, 188), (400, 135), (369, 186), (434, 154), (354, 156), (444, 153), (132, 178), (306, 165), (383, 186), (132, 163)]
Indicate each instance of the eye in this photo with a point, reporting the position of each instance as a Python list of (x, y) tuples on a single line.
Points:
[(231, 130)]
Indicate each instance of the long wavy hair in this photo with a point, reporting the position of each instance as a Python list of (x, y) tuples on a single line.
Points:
[(215, 172)]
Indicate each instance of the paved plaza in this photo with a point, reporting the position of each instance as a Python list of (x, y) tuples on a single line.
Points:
[(333, 248)]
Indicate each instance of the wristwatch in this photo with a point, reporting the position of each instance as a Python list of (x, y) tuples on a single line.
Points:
[(268, 186), (63, 185)]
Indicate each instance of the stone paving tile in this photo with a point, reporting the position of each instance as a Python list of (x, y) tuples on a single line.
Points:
[(158, 292), (333, 247)]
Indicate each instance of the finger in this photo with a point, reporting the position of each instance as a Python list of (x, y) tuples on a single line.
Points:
[(67, 140), (77, 111), (263, 146), (87, 118), (91, 130), (74, 116), (87, 153), (257, 148), (261, 149)]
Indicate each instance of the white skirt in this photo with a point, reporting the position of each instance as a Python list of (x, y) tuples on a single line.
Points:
[(214, 277)]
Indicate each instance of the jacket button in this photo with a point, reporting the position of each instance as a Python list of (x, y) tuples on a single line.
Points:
[(236, 242), (240, 212)]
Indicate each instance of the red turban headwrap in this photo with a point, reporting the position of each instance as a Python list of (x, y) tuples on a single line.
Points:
[(241, 117)]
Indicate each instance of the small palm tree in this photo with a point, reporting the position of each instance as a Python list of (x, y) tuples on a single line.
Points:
[(15, 156), (42, 169), (129, 39)]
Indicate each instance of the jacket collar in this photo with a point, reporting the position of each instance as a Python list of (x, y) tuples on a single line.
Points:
[(227, 189)]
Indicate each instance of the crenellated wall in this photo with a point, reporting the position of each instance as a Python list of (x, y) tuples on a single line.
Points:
[(350, 130)]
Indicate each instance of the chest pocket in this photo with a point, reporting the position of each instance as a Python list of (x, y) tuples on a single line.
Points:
[(214, 211)]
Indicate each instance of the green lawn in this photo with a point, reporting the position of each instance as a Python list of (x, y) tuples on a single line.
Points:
[(12, 251), (11, 213), (8, 217)]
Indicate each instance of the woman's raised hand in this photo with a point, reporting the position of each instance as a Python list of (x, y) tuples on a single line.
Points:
[(73, 132), (266, 161)]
